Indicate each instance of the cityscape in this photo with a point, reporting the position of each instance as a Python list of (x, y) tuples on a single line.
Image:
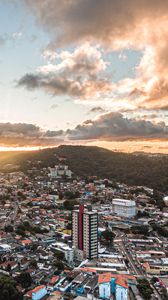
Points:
[(66, 237), (83, 149)]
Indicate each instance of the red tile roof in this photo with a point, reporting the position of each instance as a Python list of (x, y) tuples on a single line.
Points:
[(105, 277), (35, 290), (122, 282), (88, 270), (121, 279), (26, 242), (38, 288), (54, 279)]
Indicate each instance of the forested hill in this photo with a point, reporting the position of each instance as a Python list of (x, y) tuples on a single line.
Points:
[(127, 168), (94, 161)]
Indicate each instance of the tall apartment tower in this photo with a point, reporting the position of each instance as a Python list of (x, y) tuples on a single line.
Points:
[(85, 232)]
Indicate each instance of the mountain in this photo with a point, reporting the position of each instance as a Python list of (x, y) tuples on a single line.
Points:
[(132, 169)]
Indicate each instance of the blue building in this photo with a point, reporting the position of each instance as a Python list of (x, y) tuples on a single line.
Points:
[(37, 293), (115, 285)]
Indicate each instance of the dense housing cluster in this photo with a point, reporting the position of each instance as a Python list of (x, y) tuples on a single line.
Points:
[(68, 237)]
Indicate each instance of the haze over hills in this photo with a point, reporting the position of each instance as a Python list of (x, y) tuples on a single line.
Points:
[(132, 169)]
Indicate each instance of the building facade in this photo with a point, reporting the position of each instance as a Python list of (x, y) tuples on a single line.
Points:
[(124, 208), (64, 248), (60, 171), (115, 286), (37, 293), (85, 232), (121, 292)]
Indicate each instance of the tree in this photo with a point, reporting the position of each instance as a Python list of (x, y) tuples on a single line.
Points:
[(34, 247), (38, 229), (8, 289), (24, 279), (143, 229), (159, 199), (108, 236), (20, 232), (33, 263), (145, 289), (69, 226), (141, 214), (59, 255), (160, 230), (8, 268), (61, 196), (164, 294), (59, 265), (26, 224), (69, 204), (9, 228), (70, 195), (21, 195)]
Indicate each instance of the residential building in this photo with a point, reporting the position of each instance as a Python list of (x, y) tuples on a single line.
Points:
[(37, 293), (5, 248), (165, 199), (60, 171), (68, 252), (115, 285), (121, 289), (85, 232), (124, 208)]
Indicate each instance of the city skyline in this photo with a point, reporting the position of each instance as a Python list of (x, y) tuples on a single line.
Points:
[(84, 72)]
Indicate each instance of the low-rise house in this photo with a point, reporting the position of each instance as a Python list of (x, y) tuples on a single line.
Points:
[(9, 265), (64, 248), (5, 248), (157, 269), (52, 282), (37, 293)]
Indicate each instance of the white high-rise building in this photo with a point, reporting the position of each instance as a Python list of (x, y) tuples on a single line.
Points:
[(124, 208), (85, 232), (60, 171)]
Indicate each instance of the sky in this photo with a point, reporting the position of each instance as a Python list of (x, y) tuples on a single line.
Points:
[(90, 72)]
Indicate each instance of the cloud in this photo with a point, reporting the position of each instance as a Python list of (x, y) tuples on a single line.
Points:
[(23, 134), (19, 129), (2, 41), (53, 106), (56, 85), (49, 55), (107, 127), (50, 133), (122, 57), (17, 35), (78, 74), (10, 38), (114, 126), (101, 20), (115, 25), (97, 109)]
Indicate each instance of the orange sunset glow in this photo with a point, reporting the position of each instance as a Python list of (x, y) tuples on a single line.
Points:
[(84, 80)]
